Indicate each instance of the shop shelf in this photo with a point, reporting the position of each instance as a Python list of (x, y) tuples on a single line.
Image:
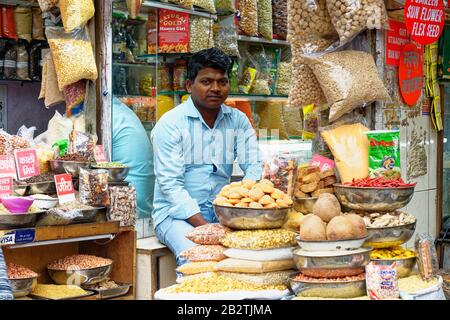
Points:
[(19, 3), (135, 65), (121, 5), (262, 40)]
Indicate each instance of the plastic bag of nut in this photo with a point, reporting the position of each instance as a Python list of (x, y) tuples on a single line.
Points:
[(265, 18), (122, 205), (5, 143), (427, 261), (248, 17), (94, 187), (280, 169), (208, 5), (348, 79), (204, 253), (225, 36), (382, 281), (309, 17), (225, 6), (279, 18), (201, 35), (283, 78), (210, 233), (350, 17)]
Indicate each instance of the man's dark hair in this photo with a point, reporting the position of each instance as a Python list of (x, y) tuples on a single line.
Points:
[(208, 58)]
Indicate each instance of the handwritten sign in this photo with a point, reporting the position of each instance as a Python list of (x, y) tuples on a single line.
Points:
[(7, 166), (424, 20), (64, 188), (410, 73), (99, 154), (26, 163), (6, 186), (322, 162)]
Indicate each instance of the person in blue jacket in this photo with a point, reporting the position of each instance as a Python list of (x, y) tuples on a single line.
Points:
[(5, 287), (195, 145), (131, 146)]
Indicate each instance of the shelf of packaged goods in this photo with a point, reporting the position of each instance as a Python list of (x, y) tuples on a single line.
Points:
[(134, 65), (21, 3), (262, 40), (67, 233), (120, 6)]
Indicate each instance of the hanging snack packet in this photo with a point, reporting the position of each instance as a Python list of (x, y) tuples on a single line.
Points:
[(310, 122), (247, 79), (427, 261), (382, 281), (76, 13), (384, 154)]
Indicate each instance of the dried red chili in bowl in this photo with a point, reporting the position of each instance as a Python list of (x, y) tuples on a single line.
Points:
[(379, 182)]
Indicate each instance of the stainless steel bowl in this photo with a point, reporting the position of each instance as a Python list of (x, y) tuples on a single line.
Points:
[(22, 287), (326, 264), (35, 188), (404, 266), (373, 199), (389, 236), (115, 174), (44, 203), (80, 277), (72, 167), (341, 290), (249, 218), (22, 220), (304, 205), (88, 215)]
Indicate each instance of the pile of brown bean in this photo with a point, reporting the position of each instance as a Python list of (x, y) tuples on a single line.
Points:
[(16, 271), (79, 262)]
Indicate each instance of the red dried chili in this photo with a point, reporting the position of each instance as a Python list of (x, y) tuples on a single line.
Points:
[(8, 23), (379, 182)]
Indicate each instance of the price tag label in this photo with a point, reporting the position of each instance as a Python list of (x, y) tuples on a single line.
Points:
[(26, 163), (99, 154), (7, 166), (19, 236), (6, 186), (64, 188)]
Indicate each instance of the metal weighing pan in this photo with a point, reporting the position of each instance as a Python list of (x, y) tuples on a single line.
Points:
[(331, 245), (121, 290)]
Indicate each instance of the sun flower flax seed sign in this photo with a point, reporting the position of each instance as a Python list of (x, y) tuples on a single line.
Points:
[(424, 20), (410, 71)]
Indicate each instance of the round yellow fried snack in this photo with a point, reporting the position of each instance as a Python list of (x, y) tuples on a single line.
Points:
[(219, 200), (226, 204), (255, 194), (247, 183), (236, 184), (243, 192), (242, 205), (281, 203), (288, 200), (270, 206), (266, 181), (266, 200), (277, 194), (255, 205), (267, 188), (235, 195), (246, 200), (233, 201)]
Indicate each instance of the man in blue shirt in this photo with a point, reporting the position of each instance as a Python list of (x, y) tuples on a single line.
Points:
[(195, 145), (131, 146), (5, 287)]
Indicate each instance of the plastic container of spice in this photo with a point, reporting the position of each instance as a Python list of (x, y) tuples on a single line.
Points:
[(180, 75)]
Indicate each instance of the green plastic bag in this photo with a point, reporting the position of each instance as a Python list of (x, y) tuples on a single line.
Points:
[(384, 154), (62, 146)]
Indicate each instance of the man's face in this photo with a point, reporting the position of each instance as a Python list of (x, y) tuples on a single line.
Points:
[(210, 88)]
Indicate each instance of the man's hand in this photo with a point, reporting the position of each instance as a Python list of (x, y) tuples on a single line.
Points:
[(197, 220)]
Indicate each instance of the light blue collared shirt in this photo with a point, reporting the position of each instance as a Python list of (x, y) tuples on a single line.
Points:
[(193, 161)]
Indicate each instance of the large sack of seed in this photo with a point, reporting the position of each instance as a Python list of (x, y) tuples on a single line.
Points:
[(348, 79)]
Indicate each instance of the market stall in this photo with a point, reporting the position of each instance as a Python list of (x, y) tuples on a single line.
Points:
[(67, 214)]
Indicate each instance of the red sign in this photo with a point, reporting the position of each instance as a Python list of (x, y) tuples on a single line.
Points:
[(6, 186), (26, 163), (99, 154), (410, 72), (64, 187), (322, 162), (424, 20), (396, 38), (173, 31), (7, 166)]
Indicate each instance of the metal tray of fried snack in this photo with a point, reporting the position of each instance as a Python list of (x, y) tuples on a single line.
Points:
[(109, 293), (88, 294)]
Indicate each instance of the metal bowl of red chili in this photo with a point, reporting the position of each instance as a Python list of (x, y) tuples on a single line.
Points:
[(373, 198)]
